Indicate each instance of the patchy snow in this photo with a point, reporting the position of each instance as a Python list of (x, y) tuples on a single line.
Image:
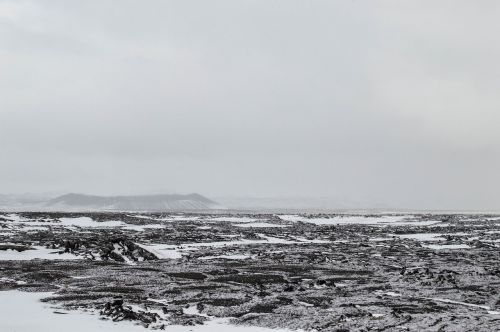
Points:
[(140, 216), (236, 257), (88, 222), (345, 220), (271, 239), (119, 250), (10, 280), (260, 224), (338, 220), (232, 219), (169, 218), (383, 220), (172, 251), (17, 306), (179, 218), (162, 251), (305, 304), (12, 217), (442, 224), (36, 253), (432, 223), (65, 222), (141, 228), (304, 240), (204, 227), (429, 236), (380, 239), (485, 307), (73, 223), (446, 246), (34, 228), (422, 236), (191, 310)]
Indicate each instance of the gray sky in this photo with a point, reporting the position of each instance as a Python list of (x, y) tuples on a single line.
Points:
[(377, 101)]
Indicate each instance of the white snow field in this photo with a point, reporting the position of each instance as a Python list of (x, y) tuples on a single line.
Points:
[(37, 252)]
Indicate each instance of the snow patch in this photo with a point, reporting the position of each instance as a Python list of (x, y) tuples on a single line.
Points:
[(260, 224), (485, 307), (388, 220), (226, 257), (37, 252), (18, 305), (446, 246)]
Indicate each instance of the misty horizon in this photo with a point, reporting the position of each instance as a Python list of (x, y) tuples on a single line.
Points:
[(41, 201)]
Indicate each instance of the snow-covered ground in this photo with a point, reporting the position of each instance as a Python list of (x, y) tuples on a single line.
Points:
[(169, 218), (73, 223), (172, 251), (12, 217), (391, 220), (23, 312), (488, 309), (260, 224), (446, 246), (36, 253), (162, 251), (87, 222), (423, 236), (237, 257), (233, 219)]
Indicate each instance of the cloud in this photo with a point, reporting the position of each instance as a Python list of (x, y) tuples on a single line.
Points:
[(390, 100)]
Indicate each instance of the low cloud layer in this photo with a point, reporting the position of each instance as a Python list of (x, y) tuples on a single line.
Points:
[(382, 102)]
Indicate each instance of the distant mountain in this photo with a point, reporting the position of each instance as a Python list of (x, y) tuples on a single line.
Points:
[(81, 202), (132, 203)]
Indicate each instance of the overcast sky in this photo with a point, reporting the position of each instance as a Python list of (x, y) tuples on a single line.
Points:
[(377, 101)]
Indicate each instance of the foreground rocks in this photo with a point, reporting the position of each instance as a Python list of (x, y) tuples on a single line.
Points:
[(412, 275)]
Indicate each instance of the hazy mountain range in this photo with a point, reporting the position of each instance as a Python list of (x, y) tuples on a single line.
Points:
[(81, 202), (173, 202), (196, 202)]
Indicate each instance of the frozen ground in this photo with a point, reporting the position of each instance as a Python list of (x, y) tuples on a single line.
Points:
[(23, 312), (251, 272), (35, 252)]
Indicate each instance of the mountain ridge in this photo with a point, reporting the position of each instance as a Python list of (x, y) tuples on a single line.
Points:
[(150, 203)]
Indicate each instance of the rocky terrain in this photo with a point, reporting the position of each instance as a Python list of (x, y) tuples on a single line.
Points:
[(298, 272)]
